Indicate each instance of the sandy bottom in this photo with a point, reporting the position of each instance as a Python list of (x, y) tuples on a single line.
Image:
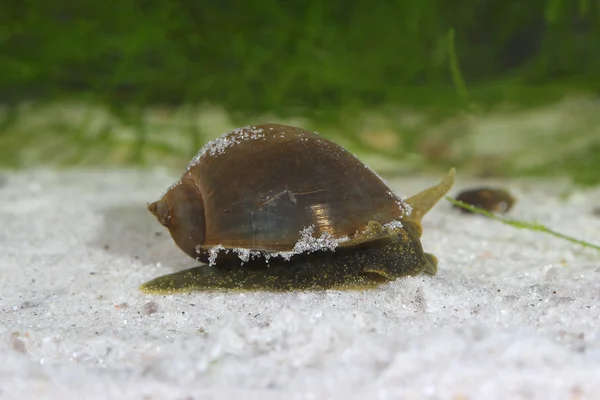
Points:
[(512, 313)]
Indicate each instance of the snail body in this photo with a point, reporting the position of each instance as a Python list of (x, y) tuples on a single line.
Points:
[(279, 208)]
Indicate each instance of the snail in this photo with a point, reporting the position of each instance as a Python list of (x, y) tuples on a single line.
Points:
[(495, 200), (276, 207)]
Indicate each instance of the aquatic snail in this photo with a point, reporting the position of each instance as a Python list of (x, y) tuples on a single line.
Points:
[(275, 207), (494, 200)]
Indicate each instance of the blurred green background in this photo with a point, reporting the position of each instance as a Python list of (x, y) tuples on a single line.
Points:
[(496, 88)]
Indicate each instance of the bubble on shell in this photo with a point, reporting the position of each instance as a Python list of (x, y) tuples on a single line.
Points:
[(306, 244), (243, 254), (393, 225), (213, 253), (405, 207), (226, 140), (309, 244)]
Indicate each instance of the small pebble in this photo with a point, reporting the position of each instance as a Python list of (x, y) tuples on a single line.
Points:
[(16, 343)]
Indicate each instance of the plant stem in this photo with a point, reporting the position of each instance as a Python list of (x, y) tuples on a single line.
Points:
[(534, 226)]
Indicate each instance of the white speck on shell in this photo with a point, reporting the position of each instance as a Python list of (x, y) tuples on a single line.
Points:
[(404, 206), (226, 140), (244, 254), (394, 224), (306, 244), (219, 145), (213, 253)]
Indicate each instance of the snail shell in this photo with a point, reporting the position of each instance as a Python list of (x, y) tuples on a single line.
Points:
[(495, 200), (259, 187)]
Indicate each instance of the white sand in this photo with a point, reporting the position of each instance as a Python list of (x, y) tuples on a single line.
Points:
[(512, 314)]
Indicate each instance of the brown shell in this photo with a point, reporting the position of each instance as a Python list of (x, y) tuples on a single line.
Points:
[(259, 187), (495, 200)]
